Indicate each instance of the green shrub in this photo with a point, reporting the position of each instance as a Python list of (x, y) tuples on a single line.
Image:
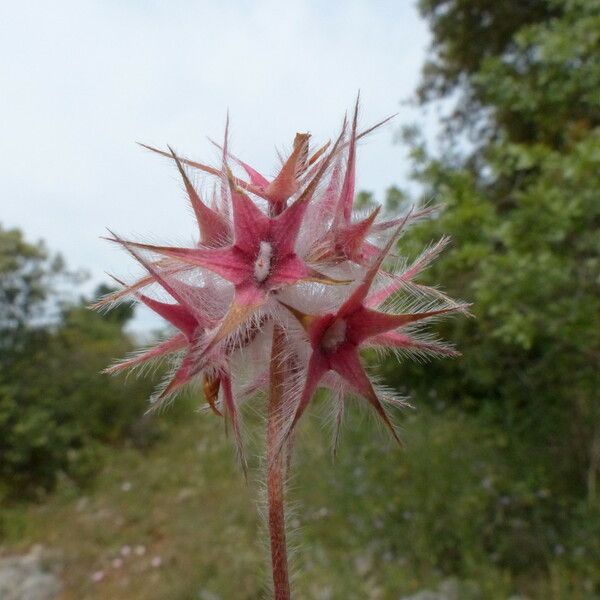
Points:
[(56, 409), (56, 406), (453, 502)]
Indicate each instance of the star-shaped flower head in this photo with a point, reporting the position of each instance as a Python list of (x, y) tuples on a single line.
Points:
[(265, 248), (336, 338), (258, 240), (261, 258)]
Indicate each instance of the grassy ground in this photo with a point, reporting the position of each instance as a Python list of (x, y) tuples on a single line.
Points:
[(179, 518), (178, 522)]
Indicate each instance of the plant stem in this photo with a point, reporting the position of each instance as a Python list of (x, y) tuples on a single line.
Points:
[(276, 474)]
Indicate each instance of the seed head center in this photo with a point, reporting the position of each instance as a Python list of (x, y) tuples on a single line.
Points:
[(335, 335), (262, 264)]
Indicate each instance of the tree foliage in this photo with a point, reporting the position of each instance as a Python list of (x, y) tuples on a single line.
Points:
[(55, 406), (524, 211), (522, 204), (26, 274)]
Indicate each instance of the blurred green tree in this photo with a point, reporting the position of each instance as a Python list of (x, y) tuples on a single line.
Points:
[(523, 207), (55, 406), (26, 274)]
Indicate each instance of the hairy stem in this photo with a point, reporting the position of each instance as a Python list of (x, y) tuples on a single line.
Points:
[(276, 473)]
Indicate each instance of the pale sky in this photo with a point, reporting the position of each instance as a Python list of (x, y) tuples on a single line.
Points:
[(81, 81)]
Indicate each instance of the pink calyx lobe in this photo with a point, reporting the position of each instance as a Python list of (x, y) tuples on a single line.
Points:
[(213, 226)]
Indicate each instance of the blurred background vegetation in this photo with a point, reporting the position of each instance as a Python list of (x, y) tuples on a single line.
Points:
[(499, 484)]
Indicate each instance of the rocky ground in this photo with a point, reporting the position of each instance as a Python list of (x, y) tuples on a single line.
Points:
[(30, 576)]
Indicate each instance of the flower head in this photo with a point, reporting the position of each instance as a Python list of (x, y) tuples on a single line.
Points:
[(286, 253)]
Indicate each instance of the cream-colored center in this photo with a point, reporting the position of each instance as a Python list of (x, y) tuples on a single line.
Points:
[(335, 335), (262, 265)]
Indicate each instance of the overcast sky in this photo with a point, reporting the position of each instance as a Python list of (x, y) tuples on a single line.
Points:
[(81, 81)]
